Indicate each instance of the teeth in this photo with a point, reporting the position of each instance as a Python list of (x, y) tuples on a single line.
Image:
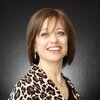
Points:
[(54, 48)]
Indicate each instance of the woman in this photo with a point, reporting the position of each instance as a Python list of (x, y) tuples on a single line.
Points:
[(51, 46)]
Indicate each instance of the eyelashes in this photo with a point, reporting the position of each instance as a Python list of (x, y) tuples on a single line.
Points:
[(46, 34), (61, 33)]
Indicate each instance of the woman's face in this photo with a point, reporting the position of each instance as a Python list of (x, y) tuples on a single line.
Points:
[(51, 43)]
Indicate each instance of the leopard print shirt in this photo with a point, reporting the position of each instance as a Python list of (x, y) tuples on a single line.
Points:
[(35, 85)]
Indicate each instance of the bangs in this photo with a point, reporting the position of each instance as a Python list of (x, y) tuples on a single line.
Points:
[(50, 14), (55, 17)]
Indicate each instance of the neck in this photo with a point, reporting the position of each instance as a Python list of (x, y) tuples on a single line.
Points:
[(52, 69)]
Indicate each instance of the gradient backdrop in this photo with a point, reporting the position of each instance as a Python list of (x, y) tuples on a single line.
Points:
[(85, 69)]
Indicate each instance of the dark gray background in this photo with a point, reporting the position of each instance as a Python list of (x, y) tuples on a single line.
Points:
[(84, 71)]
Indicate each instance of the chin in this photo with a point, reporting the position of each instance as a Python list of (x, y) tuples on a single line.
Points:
[(55, 59)]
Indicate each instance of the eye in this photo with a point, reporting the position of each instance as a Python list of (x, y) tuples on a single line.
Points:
[(61, 33), (44, 34)]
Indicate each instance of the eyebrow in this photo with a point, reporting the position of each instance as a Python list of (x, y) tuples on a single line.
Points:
[(61, 28), (47, 29), (43, 29)]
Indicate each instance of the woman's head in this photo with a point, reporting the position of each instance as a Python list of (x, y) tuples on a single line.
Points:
[(34, 28)]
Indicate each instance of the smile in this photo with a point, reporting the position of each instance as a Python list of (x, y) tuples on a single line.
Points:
[(54, 48)]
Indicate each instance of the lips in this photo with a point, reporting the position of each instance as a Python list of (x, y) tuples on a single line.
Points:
[(56, 48)]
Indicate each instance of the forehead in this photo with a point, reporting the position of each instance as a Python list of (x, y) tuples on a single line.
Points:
[(51, 24)]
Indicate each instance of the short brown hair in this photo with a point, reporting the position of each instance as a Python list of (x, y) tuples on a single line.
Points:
[(35, 25)]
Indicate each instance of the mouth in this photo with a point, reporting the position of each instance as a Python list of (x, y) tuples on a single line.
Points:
[(56, 48)]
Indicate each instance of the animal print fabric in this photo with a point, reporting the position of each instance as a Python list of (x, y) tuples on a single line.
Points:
[(35, 85)]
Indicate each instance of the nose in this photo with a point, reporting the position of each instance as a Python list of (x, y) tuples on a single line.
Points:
[(53, 38)]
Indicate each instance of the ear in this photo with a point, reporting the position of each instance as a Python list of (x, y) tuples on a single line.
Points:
[(35, 47), (35, 44)]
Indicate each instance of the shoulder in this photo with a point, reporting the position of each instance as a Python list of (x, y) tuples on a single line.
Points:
[(23, 88)]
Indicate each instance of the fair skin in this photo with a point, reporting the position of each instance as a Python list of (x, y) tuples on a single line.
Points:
[(51, 46)]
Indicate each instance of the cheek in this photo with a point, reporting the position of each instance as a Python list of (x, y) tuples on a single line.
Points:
[(40, 44), (66, 44), (65, 40)]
